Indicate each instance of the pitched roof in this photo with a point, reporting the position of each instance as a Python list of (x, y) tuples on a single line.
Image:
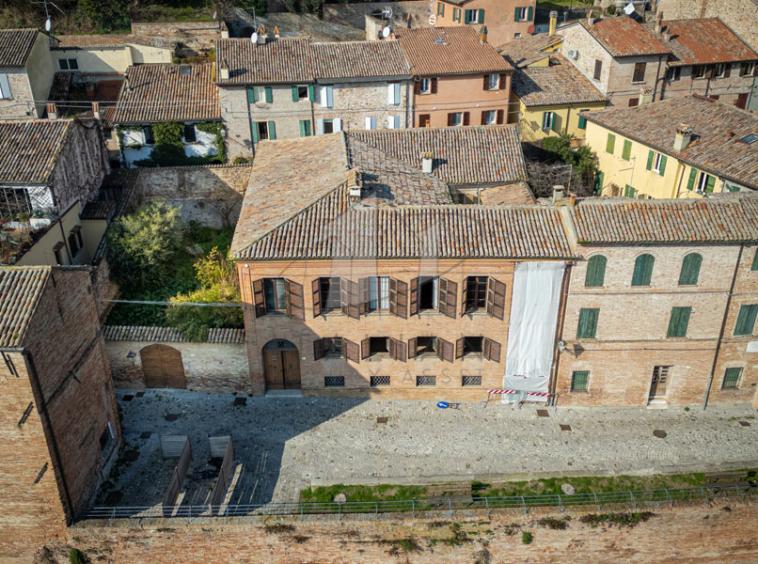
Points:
[(527, 50), (449, 50), (704, 41), (624, 37), (15, 46), (717, 132), (462, 155), (559, 83), (110, 40), (283, 61), (358, 59), (168, 92), (30, 149), (605, 220), (20, 290)]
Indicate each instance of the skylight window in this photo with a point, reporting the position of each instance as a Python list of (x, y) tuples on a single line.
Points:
[(750, 138), (185, 70)]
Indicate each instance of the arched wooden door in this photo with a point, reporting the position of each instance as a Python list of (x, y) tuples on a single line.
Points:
[(162, 366), (281, 363)]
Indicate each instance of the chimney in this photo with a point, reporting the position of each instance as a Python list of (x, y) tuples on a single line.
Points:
[(276, 32), (224, 70), (262, 35), (590, 18), (646, 95), (96, 110), (682, 138), (426, 162), (354, 185), (553, 22), (224, 31), (667, 34), (483, 35), (659, 23), (559, 192), (52, 111)]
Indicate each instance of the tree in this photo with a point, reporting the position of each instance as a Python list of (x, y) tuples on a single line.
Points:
[(582, 160), (142, 245), (105, 15)]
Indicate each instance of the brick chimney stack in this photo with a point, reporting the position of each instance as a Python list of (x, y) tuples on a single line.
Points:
[(483, 35), (659, 23), (52, 111), (224, 31)]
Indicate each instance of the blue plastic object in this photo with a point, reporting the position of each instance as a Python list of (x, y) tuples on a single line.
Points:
[(443, 404)]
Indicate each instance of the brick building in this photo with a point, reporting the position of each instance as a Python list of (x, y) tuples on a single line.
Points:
[(26, 73), (59, 426), (506, 20), (459, 78)]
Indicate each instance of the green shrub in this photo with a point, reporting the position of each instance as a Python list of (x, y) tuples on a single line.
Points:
[(526, 537), (75, 556)]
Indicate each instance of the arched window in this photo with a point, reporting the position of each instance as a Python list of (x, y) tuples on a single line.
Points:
[(690, 269), (595, 271), (643, 270)]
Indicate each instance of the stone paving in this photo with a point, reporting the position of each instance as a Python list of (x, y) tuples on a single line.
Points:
[(283, 445)]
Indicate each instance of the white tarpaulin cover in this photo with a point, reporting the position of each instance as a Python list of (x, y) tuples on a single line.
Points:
[(531, 334)]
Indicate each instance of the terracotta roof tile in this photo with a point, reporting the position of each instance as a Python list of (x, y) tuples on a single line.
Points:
[(163, 92), (449, 50), (529, 49), (30, 149), (170, 335), (20, 290), (282, 61), (605, 220), (716, 146), (358, 59), (624, 37), (560, 83), (15, 46)]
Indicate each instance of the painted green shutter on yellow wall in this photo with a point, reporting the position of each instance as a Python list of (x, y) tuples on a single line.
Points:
[(710, 184), (610, 144), (691, 181), (662, 169), (650, 156), (627, 150)]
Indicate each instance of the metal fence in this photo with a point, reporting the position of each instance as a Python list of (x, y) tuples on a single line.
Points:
[(630, 500)]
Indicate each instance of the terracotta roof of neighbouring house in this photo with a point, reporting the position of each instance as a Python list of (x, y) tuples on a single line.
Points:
[(449, 50), (358, 59), (462, 155), (110, 40), (704, 41), (528, 50), (170, 335), (282, 61), (606, 220), (98, 210), (718, 128), (168, 92), (30, 149), (558, 84), (624, 37), (15, 46), (510, 194), (20, 290)]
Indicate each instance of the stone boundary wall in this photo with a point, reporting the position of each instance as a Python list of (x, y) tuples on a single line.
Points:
[(195, 35), (211, 195)]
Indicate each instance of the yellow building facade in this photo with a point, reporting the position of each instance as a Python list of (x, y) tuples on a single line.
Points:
[(539, 122)]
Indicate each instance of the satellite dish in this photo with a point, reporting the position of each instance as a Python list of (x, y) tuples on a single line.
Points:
[(48, 24), (629, 9), (531, 29), (386, 32), (432, 19), (254, 37)]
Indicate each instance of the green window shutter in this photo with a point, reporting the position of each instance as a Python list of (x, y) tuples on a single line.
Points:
[(663, 165), (515, 17), (710, 184), (302, 128), (467, 16), (629, 192), (643, 270), (587, 323), (599, 179), (481, 16), (529, 14), (690, 269), (691, 181), (305, 128), (271, 130), (554, 122), (295, 97), (595, 271), (269, 95), (746, 320), (311, 92), (610, 144), (579, 380), (442, 13), (650, 156), (755, 261), (627, 151), (254, 127), (582, 120), (731, 378), (251, 95), (680, 319)]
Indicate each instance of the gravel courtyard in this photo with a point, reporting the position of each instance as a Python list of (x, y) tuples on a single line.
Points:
[(283, 445)]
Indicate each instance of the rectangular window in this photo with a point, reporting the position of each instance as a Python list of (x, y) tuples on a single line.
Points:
[(746, 320), (328, 125), (378, 345), (705, 183), (68, 64), (698, 71), (467, 381), (598, 69), (326, 96), (426, 346), (580, 380), (428, 291), (14, 201), (639, 72), (440, 9), (547, 121), (334, 381), (747, 69), (626, 152), (610, 143), (393, 122), (302, 92), (261, 128), (422, 381), (673, 74), (305, 128), (380, 381), (630, 192), (456, 118), (276, 295), (370, 122), (490, 117), (393, 93), (587, 328), (731, 378), (719, 70), (493, 81), (329, 288), (633, 102), (657, 163), (378, 293), (521, 15), (680, 318), (5, 87), (473, 346), (476, 293), (190, 135), (333, 347), (147, 131), (425, 86), (58, 252)]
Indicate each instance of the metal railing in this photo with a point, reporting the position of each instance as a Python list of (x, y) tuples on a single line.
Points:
[(631, 499)]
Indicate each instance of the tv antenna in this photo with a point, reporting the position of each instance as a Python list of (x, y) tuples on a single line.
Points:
[(48, 17)]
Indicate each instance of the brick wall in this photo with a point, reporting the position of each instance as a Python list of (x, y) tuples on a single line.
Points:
[(461, 93), (354, 102), (196, 35), (727, 89)]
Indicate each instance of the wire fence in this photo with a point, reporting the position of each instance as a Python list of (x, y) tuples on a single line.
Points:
[(630, 500)]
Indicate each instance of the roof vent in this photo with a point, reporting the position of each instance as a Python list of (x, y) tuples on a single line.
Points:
[(427, 160), (559, 192)]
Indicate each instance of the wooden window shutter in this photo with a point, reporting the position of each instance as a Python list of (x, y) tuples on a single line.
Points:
[(417, 87), (587, 328), (464, 295), (295, 97), (258, 298), (272, 130), (398, 298), (484, 117), (449, 119), (500, 117), (626, 152), (486, 82), (680, 318), (316, 291), (434, 85), (530, 13), (496, 299), (710, 71), (727, 70), (363, 302), (269, 95), (459, 344), (445, 350), (251, 95), (352, 351), (412, 347), (746, 320), (398, 350), (595, 272), (295, 301), (691, 181), (492, 350), (662, 169), (481, 17), (413, 303), (610, 144), (466, 118), (710, 184), (690, 269), (318, 349), (503, 80), (448, 297), (254, 128), (643, 270), (754, 266), (650, 156), (516, 15), (365, 348), (349, 298)]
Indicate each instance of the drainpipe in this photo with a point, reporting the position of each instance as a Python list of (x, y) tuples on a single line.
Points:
[(723, 327), (657, 78), (553, 384)]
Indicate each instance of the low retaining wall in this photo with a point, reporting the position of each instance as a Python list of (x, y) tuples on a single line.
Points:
[(218, 365)]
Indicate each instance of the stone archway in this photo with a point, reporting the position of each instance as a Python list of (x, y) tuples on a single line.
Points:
[(281, 362)]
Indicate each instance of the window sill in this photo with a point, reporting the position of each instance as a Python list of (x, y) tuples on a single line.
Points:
[(377, 313), (378, 357), (429, 312), (473, 356), (639, 82), (579, 392)]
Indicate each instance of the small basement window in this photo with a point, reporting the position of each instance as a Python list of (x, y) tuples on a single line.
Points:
[(426, 381), (380, 381), (334, 382)]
